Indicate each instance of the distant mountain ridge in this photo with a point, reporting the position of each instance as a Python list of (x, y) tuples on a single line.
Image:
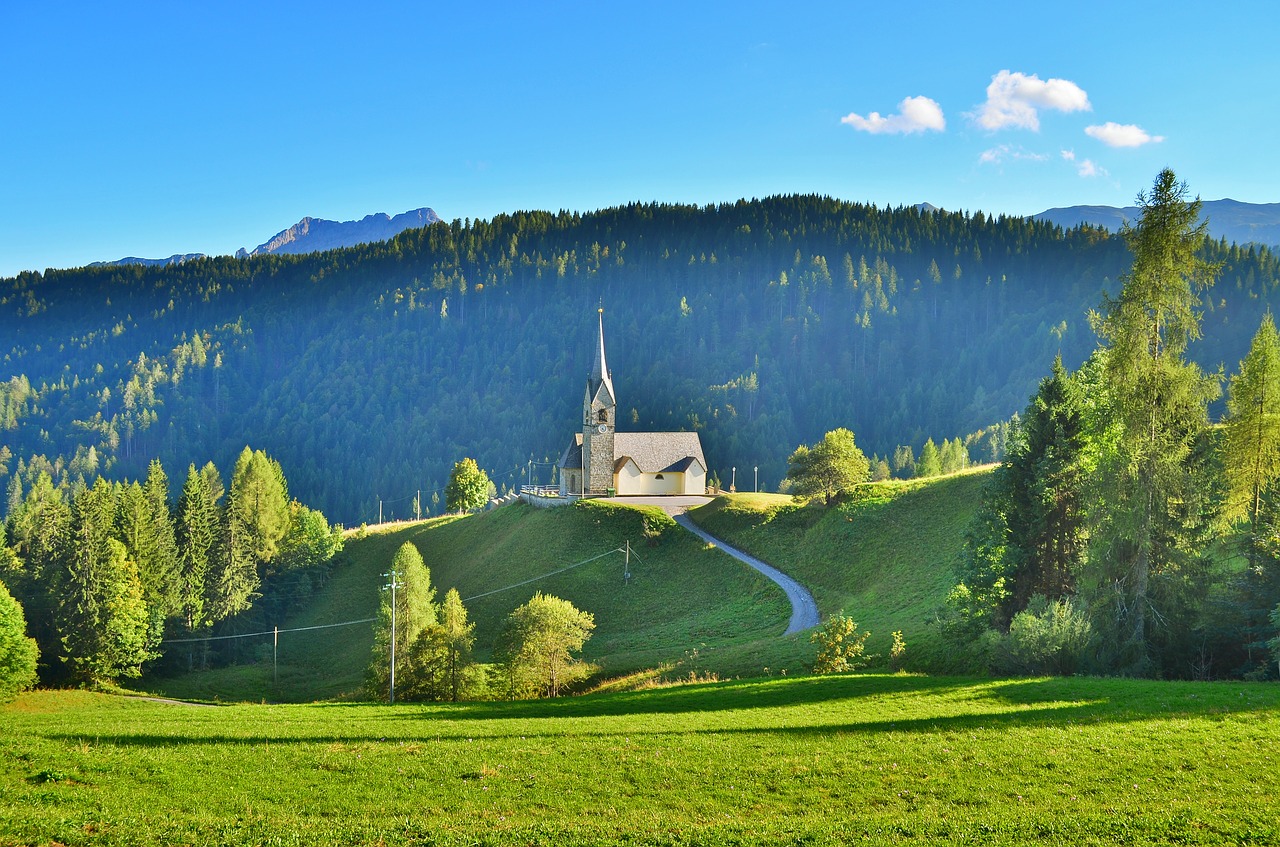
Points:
[(314, 235), (1241, 223), (175, 259)]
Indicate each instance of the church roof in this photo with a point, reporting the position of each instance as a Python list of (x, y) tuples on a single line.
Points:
[(658, 452), (572, 455), (600, 371)]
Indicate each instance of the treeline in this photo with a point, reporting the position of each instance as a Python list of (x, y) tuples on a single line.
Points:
[(369, 371), (107, 571), (1125, 533)]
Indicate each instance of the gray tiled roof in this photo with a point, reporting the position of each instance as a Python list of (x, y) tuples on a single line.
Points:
[(572, 456), (656, 452)]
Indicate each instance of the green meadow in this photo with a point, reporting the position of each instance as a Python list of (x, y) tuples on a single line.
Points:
[(890, 759)]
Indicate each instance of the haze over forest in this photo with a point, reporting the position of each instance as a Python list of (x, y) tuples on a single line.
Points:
[(368, 371)]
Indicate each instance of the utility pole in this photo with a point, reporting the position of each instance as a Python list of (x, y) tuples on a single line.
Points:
[(393, 586), (275, 652), (417, 504), (626, 573), (379, 510), (757, 470)]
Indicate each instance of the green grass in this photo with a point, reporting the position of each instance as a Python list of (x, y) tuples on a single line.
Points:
[(685, 602), (882, 759), (886, 556)]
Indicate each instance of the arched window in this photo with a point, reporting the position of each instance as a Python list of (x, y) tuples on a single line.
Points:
[(603, 416)]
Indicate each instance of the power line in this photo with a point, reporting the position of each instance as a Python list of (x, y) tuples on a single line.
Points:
[(543, 576), (266, 632)]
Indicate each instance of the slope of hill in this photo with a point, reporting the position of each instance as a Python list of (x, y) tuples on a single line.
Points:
[(1239, 223), (685, 603), (885, 555), (368, 371)]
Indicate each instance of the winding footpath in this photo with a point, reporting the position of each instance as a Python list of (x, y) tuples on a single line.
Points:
[(804, 612)]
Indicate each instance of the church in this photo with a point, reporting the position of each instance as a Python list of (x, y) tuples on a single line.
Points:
[(600, 461)]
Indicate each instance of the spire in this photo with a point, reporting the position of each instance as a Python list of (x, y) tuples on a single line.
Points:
[(599, 368)]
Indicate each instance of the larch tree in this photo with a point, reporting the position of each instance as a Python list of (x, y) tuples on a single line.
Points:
[(458, 637), (1251, 452), (415, 613), (1154, 500)]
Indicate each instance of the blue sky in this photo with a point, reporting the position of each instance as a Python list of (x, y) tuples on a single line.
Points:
[(148, 130)]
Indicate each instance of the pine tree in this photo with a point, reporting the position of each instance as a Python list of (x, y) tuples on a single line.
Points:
[(458, 635), (930, 462)]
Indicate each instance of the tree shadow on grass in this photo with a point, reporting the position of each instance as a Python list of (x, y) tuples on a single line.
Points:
[(726, 709)]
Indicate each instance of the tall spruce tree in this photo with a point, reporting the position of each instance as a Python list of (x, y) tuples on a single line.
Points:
[(415, 613), (101, 616), (1152, 495), (196, 530), (1045, 509)]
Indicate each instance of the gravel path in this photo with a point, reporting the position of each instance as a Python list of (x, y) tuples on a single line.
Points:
[(804, 612)]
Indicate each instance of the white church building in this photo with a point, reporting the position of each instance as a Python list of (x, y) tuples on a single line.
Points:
[(600, 461)]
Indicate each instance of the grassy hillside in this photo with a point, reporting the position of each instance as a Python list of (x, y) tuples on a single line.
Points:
[(881, 759), (685, 602), (885, 556)]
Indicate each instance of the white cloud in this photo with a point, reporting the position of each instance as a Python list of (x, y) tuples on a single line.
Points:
[(915, 114), (998, 155), (1088, 169), (1013, 100), (1122, 135), (1085, 167)]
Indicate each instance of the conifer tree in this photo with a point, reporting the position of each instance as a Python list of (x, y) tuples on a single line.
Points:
[(930, 462), (415, 614), (101, 616), (1154, 500), (1251, 453), (196, 530)]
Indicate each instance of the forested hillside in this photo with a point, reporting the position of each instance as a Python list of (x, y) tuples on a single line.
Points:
[(367, 372)]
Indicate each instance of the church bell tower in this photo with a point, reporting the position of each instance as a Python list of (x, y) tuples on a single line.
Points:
[(599, 416)]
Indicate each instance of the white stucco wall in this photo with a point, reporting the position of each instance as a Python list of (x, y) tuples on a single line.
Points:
[(630, 481)]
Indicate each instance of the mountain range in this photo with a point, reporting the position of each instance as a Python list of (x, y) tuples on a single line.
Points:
[(1237, 222), (312, 235)]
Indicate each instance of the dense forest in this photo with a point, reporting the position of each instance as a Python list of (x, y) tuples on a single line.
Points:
[(368, 372)]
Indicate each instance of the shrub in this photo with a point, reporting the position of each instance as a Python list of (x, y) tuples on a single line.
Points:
[(18, 653), (1047, 638), (841, 648)]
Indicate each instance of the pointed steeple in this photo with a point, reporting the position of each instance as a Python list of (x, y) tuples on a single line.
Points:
[(599, 368)]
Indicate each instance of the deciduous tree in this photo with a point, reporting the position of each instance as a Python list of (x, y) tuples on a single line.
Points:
[(832, 465), (468, 487), (538, 645), (18, 653)]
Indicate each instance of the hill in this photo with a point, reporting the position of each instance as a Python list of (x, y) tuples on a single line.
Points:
[(684, 603), (885, 556), (368, 371), (882, 759)]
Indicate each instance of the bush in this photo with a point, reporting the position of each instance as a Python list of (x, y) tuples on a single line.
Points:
[(841, 648), (18, 653), (1047, 638)]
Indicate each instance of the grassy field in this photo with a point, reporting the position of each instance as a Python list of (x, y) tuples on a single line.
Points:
[(885, 557), (685, 602), (882, 759)]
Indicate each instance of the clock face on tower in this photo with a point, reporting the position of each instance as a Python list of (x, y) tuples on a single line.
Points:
[(602, 428)]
